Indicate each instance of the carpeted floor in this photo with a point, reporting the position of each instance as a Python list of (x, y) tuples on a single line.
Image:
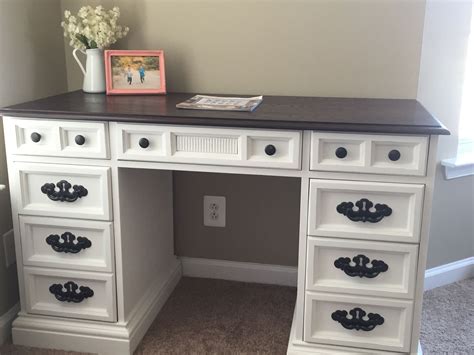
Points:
[(213, 316), (448, 319), (206, 316)]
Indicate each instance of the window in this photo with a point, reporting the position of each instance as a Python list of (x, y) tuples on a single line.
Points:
[(463, 163), (466, 124)]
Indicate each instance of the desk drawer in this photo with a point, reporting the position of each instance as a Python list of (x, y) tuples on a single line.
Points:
[(74, 294), (361, 267), (63, 191), (380, 154), (328, 320), (66, 243), (57, 138), (365, 210), (214, 146)]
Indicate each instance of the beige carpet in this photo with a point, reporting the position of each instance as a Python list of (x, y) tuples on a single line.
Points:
[(206, 316), (448, 319)]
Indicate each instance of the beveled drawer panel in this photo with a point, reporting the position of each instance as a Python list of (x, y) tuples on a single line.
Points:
[(363, 153), (58, 138), (67, 243), (361, 267), (383, 324), (74, 294), (209, 145), (63, 191), (365, 210)]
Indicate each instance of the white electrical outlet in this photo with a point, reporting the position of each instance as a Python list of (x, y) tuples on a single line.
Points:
[(214, 211), (9, 248)]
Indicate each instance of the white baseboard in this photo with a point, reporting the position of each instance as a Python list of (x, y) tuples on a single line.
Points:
[(240, 271), (6, 323), (449, 273)]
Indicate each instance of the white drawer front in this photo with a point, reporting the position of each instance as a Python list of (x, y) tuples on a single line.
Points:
[(66, 243), (97, 302), (379, 269), (58, 138), (380, 154), (38, 194), (389, 329), (215, 146), (398, 218)]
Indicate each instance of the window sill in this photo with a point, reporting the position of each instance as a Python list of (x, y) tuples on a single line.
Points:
[(458, 167), (463, 163)]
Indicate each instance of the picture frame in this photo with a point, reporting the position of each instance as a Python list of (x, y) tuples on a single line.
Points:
[(135, 72)]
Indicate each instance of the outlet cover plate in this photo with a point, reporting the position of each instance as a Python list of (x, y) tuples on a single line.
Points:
[(214, 211)]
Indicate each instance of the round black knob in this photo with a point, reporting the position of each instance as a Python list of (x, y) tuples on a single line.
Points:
[(341, 152), (80, 139), (394, 155), (144, 143), (270, 149), (35, 137)]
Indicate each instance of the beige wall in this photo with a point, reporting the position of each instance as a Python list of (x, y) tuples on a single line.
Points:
[(31, 66), (446, 31), (356, 48), (262, 218)]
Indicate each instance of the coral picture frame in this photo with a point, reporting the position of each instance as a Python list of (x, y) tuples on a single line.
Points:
[(135, 72)]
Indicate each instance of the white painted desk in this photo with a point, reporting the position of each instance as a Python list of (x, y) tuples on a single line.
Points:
[(91, 197)]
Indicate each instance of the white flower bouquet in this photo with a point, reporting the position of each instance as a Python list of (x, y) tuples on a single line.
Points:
[(93, 27)]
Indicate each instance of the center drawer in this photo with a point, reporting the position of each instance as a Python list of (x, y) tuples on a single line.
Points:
[(365, 210), (209, 145), (63, 191)]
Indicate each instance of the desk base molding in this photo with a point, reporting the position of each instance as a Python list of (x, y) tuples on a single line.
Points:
[(240, 271), (95, 337)]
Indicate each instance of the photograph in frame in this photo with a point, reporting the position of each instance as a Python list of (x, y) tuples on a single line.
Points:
[(135, 72)]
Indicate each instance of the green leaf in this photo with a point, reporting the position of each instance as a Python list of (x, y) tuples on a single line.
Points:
[(93, 44), (83, 40)]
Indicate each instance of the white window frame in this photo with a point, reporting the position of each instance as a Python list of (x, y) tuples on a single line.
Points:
[(463, 163)]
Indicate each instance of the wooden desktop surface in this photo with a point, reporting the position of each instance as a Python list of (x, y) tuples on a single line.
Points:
[(276, 112)]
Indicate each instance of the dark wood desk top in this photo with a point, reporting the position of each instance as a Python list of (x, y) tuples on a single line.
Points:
[(281, 112)]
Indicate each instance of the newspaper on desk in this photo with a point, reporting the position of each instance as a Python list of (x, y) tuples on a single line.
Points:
[(204, 102)]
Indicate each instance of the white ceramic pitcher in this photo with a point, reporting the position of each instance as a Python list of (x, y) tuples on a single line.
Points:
[(94, 73)]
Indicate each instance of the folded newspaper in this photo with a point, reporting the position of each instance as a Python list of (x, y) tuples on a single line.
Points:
[(203, 102)]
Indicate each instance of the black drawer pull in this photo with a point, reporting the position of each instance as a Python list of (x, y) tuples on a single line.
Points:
[(360, 267), (357, 320), (270, 150), (80, 139), (68, 244), (35, 137), (394, 155), (64, 193), (341, 152), (363, 213), (144, 143), (70, 294)]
